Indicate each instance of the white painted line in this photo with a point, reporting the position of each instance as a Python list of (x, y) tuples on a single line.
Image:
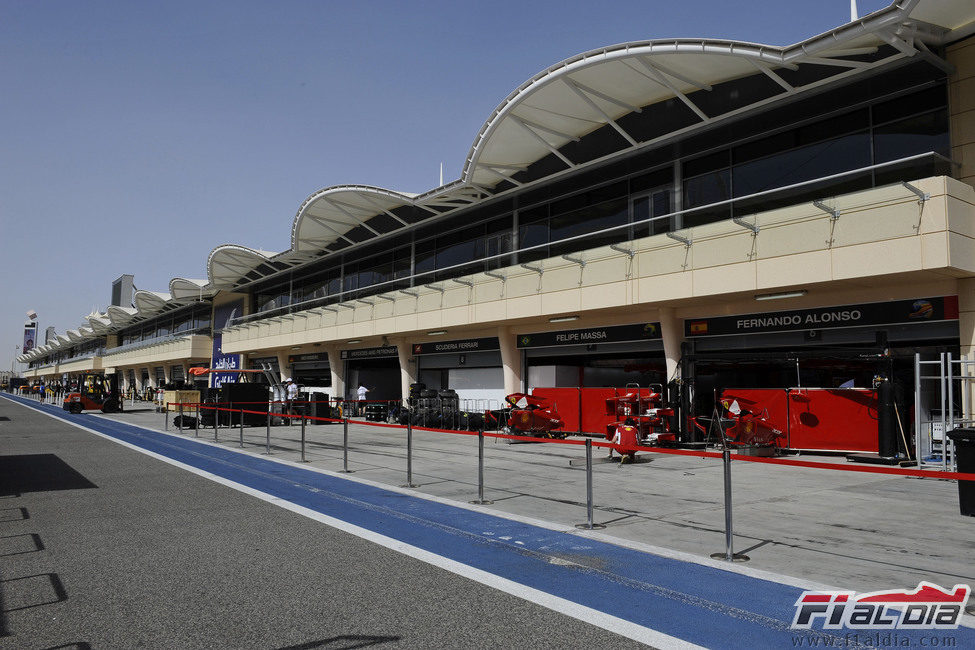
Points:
[(966, 619), (567, 607)]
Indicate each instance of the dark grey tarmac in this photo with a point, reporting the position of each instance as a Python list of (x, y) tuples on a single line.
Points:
[(104, 547)]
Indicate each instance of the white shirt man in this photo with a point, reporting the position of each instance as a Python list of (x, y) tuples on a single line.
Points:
[(361, 396)]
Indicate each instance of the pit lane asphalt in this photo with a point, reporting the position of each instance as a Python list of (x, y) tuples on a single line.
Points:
[(114, 549)]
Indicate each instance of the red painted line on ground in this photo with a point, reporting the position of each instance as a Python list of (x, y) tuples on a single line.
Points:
[(788, 462)]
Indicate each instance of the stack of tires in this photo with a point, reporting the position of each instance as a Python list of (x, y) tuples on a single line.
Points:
[(427, 411), (449, 409), (471, 421), (377, 412), (414, 396)]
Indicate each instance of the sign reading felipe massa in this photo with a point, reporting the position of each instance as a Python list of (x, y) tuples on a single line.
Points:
[(612, 334), (895, 312)]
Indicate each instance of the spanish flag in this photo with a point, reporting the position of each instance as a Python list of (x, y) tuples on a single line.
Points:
[(699, 327)]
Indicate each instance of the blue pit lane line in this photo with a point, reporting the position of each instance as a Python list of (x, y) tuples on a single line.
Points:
[(699, 604)]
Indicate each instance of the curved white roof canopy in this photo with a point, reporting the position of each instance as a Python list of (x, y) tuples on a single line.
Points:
[(332, 213), (121, 316), (183, 289), (594, 90), (229, 263), (150, 302), (100, 325)]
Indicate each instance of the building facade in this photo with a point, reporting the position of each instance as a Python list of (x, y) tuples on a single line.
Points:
[(723, 212)]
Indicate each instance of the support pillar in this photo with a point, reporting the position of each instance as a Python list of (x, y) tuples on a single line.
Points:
[(510, 361), (336, 367), (284, 369), (407, 368), (672, 333)]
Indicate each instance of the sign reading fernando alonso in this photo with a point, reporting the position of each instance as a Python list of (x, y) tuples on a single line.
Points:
[(875, 313), (613, 334)]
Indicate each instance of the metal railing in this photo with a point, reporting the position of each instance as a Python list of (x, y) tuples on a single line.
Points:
[(465, 268)]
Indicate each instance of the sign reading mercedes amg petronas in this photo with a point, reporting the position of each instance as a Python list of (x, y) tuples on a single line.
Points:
[(589, 335)]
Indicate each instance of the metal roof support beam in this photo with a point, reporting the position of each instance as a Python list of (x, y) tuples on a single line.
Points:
[(388, 213), (503, 176), (676, 75), (687, 241), (466, 283), (659, 77), (537, 269), (622, 249), (543, 141), (612, 100), (514, 168), (578, 89), (834, 214), (354, 218), (747, 226), (323, 222), (789, 88), (385, 297), (413, 294), (922, 196), (842, 63), (898, 43), (434, 288)]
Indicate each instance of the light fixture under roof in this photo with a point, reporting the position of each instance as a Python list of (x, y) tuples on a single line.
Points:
[(436, 332), (782, 294), (352, 341), (563, 319)]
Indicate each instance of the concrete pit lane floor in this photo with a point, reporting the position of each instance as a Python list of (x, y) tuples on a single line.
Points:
[(810, 527)]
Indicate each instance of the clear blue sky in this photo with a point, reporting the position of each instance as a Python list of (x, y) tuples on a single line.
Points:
[(138, 136)]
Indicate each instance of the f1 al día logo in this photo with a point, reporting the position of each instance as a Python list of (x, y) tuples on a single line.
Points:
[(929, 607)]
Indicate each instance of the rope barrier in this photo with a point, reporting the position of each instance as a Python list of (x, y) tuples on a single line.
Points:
[(788, 462)]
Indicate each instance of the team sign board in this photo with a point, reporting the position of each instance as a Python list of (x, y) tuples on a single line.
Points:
[(590, 335), (371, 353), (463, 345), (875, 313)]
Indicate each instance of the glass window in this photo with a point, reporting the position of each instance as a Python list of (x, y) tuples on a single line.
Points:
[(450, 253), (912, 136), (802, 164)]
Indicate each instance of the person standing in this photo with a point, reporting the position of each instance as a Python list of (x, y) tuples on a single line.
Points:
[(361, 397), (291, 394)]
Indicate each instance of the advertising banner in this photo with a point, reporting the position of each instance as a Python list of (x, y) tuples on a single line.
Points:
[(220, 361), (30, 337), (463, 345), (590, 335), (895, 312), (371, 353)]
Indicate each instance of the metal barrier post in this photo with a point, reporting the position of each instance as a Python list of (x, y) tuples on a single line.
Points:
[(241, 428), (216, 423), (345, 446), (303, 439), (589, 525), (729, 553), (480, 469), (409, 456), (180, 417), (166, 415), (267, 428)]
